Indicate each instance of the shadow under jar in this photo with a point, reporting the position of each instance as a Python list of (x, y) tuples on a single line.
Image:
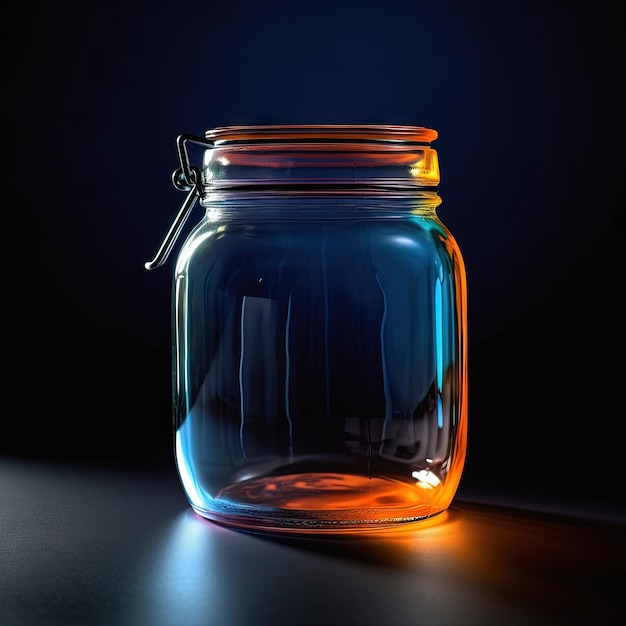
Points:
[(319, 331)]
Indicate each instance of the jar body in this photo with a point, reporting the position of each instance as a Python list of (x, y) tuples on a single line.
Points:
[(320, 367)]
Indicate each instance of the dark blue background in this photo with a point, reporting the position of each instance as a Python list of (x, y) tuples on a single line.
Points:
[(525, 96)]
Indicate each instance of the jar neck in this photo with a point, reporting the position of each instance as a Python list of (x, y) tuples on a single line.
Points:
[(318, 204)]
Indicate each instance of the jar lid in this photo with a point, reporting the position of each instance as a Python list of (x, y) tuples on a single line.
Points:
[(334, 133), (355, 155)]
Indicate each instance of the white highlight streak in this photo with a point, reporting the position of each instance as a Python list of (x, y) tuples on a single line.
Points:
[(326, 318), (243, 307), (287, 367), (382, 351)]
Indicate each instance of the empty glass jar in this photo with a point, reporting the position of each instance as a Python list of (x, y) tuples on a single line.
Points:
[(319, 330)]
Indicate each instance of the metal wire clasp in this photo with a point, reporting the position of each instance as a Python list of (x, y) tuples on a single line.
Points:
[(186, 178)]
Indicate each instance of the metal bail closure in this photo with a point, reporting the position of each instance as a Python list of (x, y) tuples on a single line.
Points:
[(185, 178)]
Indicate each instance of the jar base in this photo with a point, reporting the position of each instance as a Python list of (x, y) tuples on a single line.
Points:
[(322, 503)]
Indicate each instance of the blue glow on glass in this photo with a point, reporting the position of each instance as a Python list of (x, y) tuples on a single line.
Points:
[(439, 348), (439, 412), (188, 481), (439, 333)]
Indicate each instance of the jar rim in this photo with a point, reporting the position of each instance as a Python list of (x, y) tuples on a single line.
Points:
[(333, 133)]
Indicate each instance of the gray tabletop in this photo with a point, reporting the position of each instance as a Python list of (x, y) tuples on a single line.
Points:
[(113, 546)]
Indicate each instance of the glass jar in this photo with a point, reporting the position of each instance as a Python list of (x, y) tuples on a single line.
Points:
[(319, 330)]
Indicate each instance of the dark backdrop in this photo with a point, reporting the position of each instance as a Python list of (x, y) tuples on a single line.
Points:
[(525, 96)]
